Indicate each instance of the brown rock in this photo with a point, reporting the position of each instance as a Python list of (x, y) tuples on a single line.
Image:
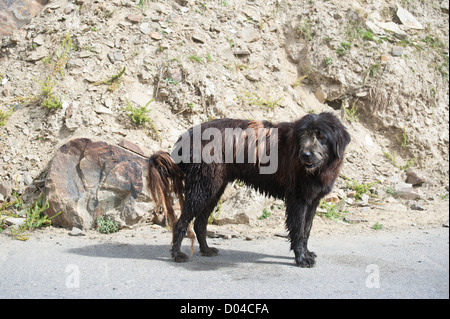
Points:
[(155, 36), (134, 18), (241, 218), (88, 179), (414, 179)]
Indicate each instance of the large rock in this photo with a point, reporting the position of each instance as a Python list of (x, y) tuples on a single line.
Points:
[(87, 179), (15, 13)]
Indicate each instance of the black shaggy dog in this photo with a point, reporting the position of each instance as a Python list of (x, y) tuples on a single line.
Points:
[(308, 157)]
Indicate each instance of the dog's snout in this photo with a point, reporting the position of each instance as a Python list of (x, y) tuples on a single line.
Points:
[(306, 155)]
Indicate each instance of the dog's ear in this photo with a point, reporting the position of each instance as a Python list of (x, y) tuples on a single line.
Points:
[(342, 140)]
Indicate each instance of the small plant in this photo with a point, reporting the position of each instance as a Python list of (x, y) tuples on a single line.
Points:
[(142, 3), (195, 58), (373, 70), (403, 140), (377, 226), (35, 217), (265, 214), (343, 48), (351, 114), (216, 213), (139, 115), (328, 61), (113, 81), (257, 100), (305, 30), (230, 41), (299, 81), (48, 99), (61, 56), (393, 160), (4, 116), (332, 210), (171, 81), (390, 190), (359, 188), (106, 225)]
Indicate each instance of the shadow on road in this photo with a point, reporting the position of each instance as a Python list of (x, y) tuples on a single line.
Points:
[(227, 257)]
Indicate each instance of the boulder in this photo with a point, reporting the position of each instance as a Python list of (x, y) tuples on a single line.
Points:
[(87, 179)]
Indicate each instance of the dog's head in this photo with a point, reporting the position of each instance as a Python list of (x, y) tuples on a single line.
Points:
[(321, 139)]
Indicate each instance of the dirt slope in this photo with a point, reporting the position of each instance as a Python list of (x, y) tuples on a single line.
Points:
[(275, 60)]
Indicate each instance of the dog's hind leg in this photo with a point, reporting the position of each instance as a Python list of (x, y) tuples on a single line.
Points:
[(201, 222), (179, 232)]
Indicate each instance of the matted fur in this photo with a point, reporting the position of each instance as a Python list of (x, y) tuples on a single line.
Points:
[(310, 156)]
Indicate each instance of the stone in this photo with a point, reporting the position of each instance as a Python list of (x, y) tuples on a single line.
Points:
[(414, 179), (38, 54), (414, 205), (239, 219), (250, 35), (145, 28), (182, 2), (39, 40), (407, 19), (155, 36), (397, 50), (331, 198), (405, 191), (87, 179), (374, 28), (354, 219), (199, 37), (320, 95), (253, 76), (241, 53), (102, 110), (118, 56), (395, 28), (134, 18), (77, 232), (14, 221), (6, 188)]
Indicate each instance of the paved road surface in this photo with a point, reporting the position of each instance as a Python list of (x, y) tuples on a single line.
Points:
[(412, 264)]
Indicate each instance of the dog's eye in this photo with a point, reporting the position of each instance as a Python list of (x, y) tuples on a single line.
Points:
[(320, 136)]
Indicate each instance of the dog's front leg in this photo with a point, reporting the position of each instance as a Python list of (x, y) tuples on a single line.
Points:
[(299, 217)]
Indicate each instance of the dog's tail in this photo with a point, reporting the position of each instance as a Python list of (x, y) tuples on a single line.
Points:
[(165, 177)]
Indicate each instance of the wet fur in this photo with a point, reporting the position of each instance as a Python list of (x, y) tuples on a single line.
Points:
[(310, 156)]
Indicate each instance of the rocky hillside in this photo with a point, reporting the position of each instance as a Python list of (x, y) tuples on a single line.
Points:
[(80, 68)]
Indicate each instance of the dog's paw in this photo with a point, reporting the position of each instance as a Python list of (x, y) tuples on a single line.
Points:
[(306, 260), (180, 257), (209, 252)]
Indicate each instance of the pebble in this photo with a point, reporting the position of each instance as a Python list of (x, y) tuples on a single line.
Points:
[(397, 50), (416, 206), (77, 232), (199, 37), (155, 36), (145, 28), (14, 221), (135, 18)]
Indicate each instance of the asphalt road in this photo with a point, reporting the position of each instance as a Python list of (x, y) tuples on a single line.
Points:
[(408, 264)]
